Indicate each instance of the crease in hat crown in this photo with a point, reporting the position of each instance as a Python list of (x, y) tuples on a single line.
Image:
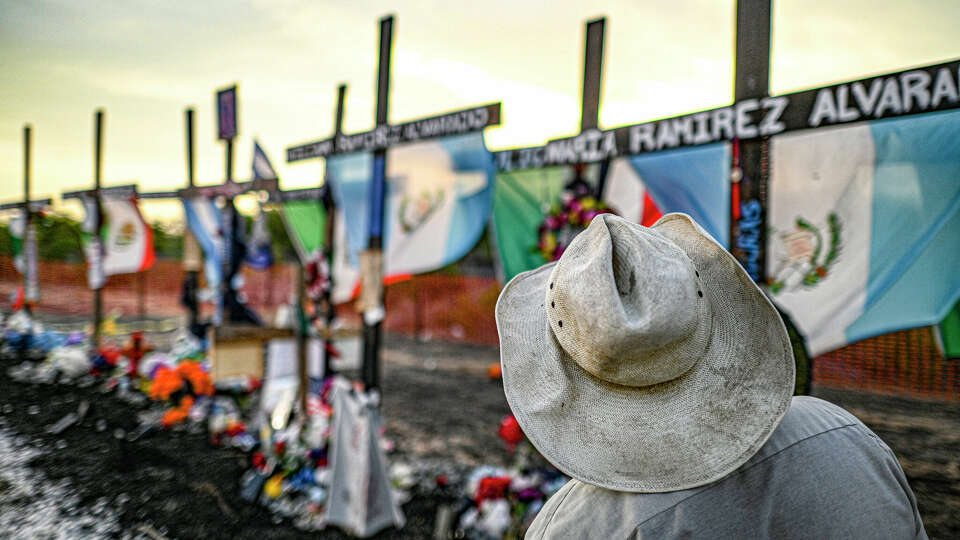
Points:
[(627, 304)]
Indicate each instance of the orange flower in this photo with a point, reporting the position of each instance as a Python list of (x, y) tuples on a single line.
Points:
[(173, 417), (166, 382), (179, 413), (198, 378)]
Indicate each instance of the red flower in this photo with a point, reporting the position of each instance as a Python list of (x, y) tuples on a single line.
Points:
[(492, 487), (236, 428), (510, 430), (259, 461), (280, 448)]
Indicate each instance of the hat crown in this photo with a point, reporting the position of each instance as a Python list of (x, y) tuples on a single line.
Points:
[(626, 304)]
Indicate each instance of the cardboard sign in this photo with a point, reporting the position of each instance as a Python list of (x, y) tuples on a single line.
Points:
[(371, 275)]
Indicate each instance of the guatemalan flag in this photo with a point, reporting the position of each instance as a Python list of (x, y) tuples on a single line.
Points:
[(641, 188), (204, 220), (439, 195), (864, 227)]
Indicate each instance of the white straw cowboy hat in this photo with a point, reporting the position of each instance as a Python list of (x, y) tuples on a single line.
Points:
[(645, 359)]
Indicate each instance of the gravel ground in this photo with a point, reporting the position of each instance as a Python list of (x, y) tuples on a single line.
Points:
[(438, 403)]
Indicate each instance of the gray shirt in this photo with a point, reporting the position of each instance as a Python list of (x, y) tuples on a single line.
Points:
[(822, 474)]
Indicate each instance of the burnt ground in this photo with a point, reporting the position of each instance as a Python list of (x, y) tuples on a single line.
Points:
[(439, 405)]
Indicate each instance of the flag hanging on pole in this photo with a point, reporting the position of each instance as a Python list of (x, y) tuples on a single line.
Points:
[(439, 196), (864, 221), (24, 245), (259, 252), (306, 224), (261, 167), (204, 219), (93, 244), (128, 240), (124, 243), (17, 232)]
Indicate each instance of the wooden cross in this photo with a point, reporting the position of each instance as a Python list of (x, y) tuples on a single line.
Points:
[(384, 136), (229, 189), (97, 193)]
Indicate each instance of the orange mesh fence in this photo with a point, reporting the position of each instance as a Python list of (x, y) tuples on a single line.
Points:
[(460, 308), (905, 363)]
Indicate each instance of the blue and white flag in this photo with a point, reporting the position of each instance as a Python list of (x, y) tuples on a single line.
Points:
[(204, 220), (864, 227), (260, 165), (439, 196), (259, 252)]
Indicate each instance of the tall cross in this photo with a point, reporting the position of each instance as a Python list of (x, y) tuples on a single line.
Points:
[(378, 140), (229, 189), (96, 248), (322, 195)]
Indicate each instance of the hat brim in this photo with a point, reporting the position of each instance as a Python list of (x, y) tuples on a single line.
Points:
[(671, 436)]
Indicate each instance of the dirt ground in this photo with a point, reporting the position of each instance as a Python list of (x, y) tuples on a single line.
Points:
[(439, 405)]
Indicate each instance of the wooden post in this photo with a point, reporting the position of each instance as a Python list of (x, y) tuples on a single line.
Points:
[(373, 315), (592, 75), (191, 250), (142, 297), (29, 253), (592, 82), (98, 223), (301, 333), (331, 208), (751, 80), (377, 141)]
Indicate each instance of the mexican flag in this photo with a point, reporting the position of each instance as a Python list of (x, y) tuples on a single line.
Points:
[(124, 244), (864, 221)]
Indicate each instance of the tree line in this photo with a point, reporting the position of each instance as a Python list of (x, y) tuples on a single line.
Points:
[(60, 238)]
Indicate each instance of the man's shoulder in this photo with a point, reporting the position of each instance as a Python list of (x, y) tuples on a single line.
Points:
[(789, 465), (807, 418)]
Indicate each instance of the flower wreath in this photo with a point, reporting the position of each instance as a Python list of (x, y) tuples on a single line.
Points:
[(566, 219)]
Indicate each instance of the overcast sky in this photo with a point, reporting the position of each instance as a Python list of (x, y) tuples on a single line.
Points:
[(145, 61)]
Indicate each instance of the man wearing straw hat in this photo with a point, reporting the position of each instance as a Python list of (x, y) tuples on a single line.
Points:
[(648, 366)]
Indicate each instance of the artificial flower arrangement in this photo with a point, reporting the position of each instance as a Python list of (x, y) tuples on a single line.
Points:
[(504, 501), (577, 207), (180, 385)]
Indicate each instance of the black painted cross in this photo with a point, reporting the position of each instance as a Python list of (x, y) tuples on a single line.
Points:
[(378, 140)]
